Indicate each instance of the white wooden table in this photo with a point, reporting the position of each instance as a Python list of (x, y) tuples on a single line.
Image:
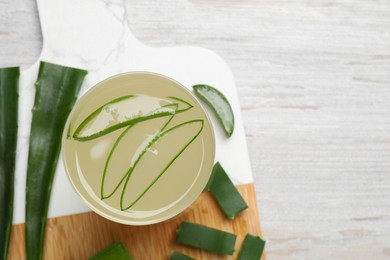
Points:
[(314, 85)]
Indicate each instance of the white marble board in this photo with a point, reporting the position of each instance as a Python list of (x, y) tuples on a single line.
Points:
[(94, 35)]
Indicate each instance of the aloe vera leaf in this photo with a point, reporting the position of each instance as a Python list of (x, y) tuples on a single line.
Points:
[(182, 104), (116, 251), (122, 112), (225, 193), (179, 256), (211, 179), (219, 104), (252, 248), (149, 129), (192, 129), (56, 92), (9, 80), (206, 238)]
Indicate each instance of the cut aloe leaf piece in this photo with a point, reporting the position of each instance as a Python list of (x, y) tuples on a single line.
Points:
[(132, 140), (252, 248), (56, 92), (225, 193), (182, 104), (219, 104), (9, 82), (116, 251), (206, 238), (179, 256), (125, 111), (212, 175), (161, 152)]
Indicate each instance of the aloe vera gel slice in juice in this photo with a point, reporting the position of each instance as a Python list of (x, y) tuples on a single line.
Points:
[(138, 148)]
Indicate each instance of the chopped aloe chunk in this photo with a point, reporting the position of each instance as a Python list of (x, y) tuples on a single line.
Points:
[(219, 103), (225, 193), (9, 82), (179, 256), (206, 238), (116, 251), (208, 185), (252, 248), (125, 111)]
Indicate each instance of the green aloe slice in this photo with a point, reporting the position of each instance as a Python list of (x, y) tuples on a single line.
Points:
[(56, 92), (179, 256), (9, 82), (225, 193), (207, 238), (184, 134), (182, 104), (124, 111), (132, 139), (252, 248), (219, 103), (116, 251)]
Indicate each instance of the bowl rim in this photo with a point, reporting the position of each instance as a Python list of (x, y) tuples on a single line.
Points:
[(137, 222)]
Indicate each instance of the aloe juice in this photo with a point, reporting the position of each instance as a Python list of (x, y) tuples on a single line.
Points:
[(138, 148)]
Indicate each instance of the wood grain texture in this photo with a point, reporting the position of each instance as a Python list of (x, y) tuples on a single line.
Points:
[(313, 79), (83, 235)]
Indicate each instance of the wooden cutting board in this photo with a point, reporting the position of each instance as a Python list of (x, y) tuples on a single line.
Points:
[(83, 235)]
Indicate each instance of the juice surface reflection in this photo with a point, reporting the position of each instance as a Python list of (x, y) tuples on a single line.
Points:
[(140, 148)]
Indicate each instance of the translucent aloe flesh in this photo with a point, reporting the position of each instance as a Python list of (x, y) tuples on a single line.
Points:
[(219, 103), (145, 136), (57, 88), (175, 151), (122, 112), (206, 238), (151, 128), (9, 79)]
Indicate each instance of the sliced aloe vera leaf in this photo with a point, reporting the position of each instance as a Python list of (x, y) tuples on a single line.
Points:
[(225, 193), (219, 104), (182, 104), (184, 135), (212, 175), (56, 92), (179, 256), (9, 82), (206, 238), (252, 248), (124, 111), (116, 251), (132, 140)]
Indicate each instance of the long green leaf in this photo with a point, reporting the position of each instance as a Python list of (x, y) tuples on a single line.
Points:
[(56, 92), (175, 151), (9, 78)]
